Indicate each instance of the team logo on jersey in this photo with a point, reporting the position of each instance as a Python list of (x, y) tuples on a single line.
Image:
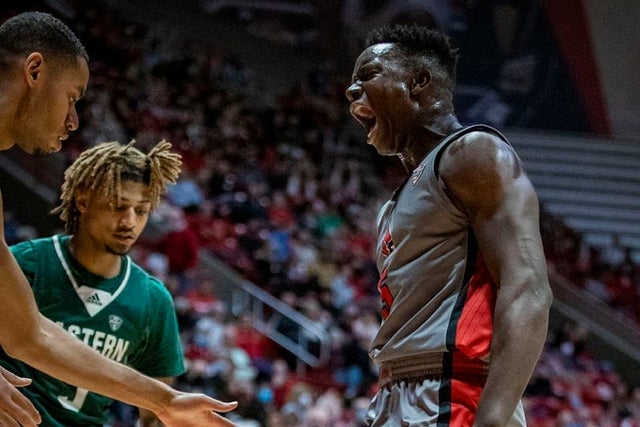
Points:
[(415, 176), (387, 243), (115, 322), (94, 299)]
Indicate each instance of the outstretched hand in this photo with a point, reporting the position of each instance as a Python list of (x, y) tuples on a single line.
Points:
[(15, 408), (195, 410)]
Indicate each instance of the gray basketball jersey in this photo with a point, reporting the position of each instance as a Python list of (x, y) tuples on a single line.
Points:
[(436, 292)]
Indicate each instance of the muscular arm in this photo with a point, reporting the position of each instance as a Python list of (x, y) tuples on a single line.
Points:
[(30, 337), (484, 176)]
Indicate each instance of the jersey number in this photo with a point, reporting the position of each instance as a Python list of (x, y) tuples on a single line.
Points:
[(76, 404)]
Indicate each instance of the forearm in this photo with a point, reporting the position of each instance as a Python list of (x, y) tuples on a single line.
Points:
[(520, 330), (67, 358), (19, 316), (148, 418), (28, 336)]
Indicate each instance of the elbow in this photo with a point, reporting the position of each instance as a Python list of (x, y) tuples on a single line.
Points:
[(27, 347), (538, 304), (545, 297), (17, 349)]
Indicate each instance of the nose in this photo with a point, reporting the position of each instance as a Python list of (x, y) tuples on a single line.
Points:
[(72, 119), (128, 219), (353, 92)]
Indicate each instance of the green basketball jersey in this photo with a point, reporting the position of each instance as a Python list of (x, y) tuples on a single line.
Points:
[(129, 318)]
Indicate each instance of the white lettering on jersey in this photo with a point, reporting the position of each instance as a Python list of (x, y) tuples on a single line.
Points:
[(107, 344)]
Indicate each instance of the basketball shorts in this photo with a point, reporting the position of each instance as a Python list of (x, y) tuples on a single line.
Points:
[(420, 403)]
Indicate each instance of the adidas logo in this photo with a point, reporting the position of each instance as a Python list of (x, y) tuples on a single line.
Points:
[(94, 299)]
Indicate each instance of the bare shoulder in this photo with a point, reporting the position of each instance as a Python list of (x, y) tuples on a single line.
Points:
[(478, 147), (477, 155), (478, 168)]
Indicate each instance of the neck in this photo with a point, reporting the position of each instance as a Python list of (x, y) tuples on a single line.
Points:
[(432, 133), (98, 262), (7, 113)]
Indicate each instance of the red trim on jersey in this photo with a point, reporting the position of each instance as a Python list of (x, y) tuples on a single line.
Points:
[(475, 326)]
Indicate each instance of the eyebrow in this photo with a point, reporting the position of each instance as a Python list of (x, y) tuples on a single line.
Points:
[(82, 91), (133, 201)]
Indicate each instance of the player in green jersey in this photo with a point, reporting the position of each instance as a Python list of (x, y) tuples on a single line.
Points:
[(43, 73), (85, 282)]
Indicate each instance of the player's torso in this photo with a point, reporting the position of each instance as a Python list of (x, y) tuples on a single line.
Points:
[(107, 315), (427, 257)]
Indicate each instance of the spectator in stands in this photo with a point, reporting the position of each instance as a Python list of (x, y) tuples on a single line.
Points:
[(179, 244), (614, 254)]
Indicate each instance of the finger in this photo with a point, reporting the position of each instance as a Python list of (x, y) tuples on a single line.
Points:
[(7, 421), (14, 379), (220, 406), (23, 411), (14, 404), (220, 420), (21, 416), (17, 407)]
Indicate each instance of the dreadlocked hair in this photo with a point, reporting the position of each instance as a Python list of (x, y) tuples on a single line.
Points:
[(104, 168), (421, 45)]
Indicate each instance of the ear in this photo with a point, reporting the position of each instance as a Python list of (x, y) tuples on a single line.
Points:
[(420, 81), (33, 66), (81, 202)]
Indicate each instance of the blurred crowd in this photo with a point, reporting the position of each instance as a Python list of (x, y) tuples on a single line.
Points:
[(280, 195)]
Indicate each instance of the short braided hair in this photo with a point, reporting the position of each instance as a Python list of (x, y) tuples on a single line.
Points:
[(421, 46), (104, 168)]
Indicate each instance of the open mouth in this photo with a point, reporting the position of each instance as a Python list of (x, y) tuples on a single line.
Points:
[(365, 116)]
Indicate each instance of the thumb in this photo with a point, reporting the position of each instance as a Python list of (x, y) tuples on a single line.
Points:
[(220, 406), (14, 379)]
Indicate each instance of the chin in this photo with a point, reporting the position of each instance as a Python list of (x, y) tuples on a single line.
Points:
[(34, 150), (118, 250), (40, 153), (384, 151)]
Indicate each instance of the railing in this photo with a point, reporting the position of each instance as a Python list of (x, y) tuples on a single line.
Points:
[(266, 311), (612, 336)]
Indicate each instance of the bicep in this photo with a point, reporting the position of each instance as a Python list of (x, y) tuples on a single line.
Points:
[(509, 239), (486, 178)]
